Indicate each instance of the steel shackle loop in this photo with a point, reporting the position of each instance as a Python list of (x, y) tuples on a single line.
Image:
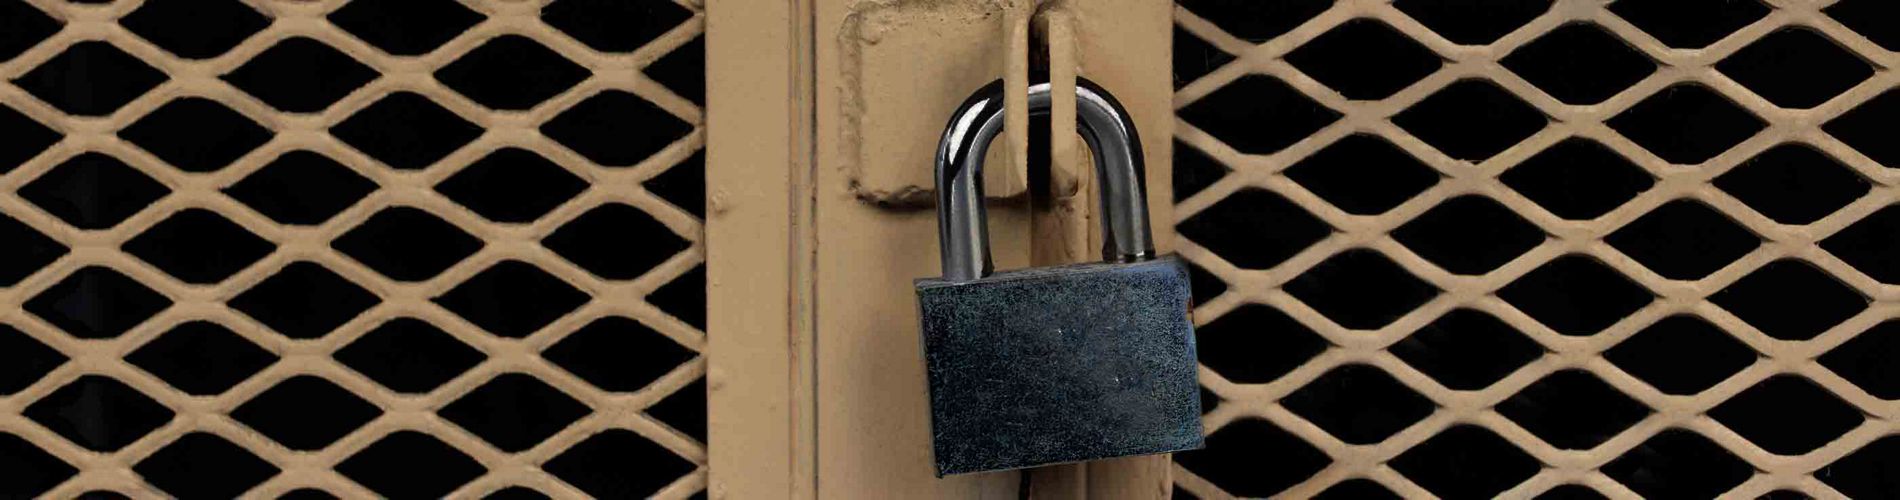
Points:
[(962, 224)]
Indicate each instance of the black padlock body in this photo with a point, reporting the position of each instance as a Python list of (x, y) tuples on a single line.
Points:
[(1060, 364)]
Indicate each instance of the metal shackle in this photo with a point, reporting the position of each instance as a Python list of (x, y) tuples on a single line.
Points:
[(962, 224)]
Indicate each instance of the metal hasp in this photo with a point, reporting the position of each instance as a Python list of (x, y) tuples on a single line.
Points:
[(1059, 364)]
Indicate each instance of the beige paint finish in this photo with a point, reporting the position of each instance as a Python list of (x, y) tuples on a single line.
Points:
[(873, 435), (816, 374), (749, 180), (893, 60)]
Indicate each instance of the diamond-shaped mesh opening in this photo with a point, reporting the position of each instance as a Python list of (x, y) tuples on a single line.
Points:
[(1358, 404), (1194, 58), (201, 358), (1360, 289), (410, 464), (1865, 18), (196, 134), (1579, 64), (32, 470), (1572, 410), (305, 412), (596, 465), (1686, 124), (615, 25), (1466, 461), (514, 411), (512, 185), (1871, 361), (1471, 120), (408, 355), (1256, 344), (1257, 114), (307, 494), (406, 130), (1870, 245), (1337, 173), (1863, 128), (511, 72), (93, 191), (1790, 300), (684, 298), (23, 360), (1360, 489), (1683, 240), (405, 28), (1770, 66), (1466, 349), (96, 303), (26, 138), (91, 78), (27, 250), (1364, 59), (615, 241), (1254, 228), (1469, 235), (198, 246), (1575, 295), (685, 410), (300, 75), (407, 244), (22, 26), (1570, 492), (617, 354), (1228, 458), (512, 299), (1654, 355), (683, 70), (1869, 472), (1793, 184), (304, 301), (301, 188), (1689, 24), (1578, 179), (1677, 463), (204, 465), (615, 128), (1700, 167), (1472, 22), (195, 29), (1787, 415), (1257, 21), (206, 226), (515, 493), (98, 413), (1205, 286), (683, 185)]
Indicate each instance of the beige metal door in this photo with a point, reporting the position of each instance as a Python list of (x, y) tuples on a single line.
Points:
[(625, 248), (819, 389), (1624, 248)]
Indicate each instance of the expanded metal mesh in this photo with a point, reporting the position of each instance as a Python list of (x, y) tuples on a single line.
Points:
[(364, 248), (1474, 249)]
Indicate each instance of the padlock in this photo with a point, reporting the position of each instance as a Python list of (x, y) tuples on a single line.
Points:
[(1058, 364)]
